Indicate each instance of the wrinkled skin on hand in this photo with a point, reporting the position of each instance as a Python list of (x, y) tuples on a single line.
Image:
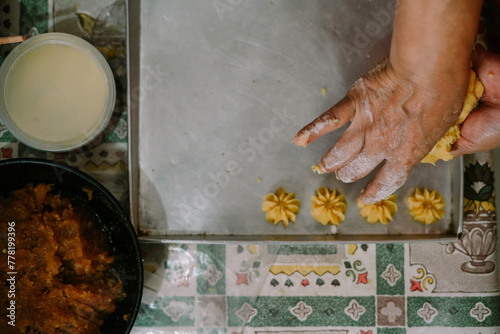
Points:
[(481, 129), (397, 114)]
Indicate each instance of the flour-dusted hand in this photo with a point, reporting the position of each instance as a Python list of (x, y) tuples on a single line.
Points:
[(406, 103), (394, 120), (481, 129)]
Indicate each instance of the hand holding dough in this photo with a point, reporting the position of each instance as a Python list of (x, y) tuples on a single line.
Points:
[(481, 130), (401, 108), (441, 151)]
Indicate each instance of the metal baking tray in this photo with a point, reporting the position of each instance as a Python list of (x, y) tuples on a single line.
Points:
[(217, 91)]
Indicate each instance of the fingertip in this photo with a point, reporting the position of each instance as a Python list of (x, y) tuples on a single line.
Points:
[(458, 149), (369, 199), (329, 121), (301, 139), (455, 152)]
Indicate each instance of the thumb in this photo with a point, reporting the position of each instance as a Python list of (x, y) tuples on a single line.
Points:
[(479, 132)]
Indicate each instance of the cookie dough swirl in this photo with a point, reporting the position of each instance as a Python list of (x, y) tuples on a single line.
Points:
[(426, 206), (280, 206), (379, 212), (328, 207)]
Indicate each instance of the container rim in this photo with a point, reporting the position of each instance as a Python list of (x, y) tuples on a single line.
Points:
[(79, 44)]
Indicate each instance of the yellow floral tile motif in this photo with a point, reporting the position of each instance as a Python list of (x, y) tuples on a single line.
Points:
[(280, 206), (379, 212), (475, 205), (426, 206), (328, 207), (441, 151)]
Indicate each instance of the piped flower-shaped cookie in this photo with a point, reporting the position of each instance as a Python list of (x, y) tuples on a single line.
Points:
[(328, 207), (379, 212), (280, 206), (426, 207)]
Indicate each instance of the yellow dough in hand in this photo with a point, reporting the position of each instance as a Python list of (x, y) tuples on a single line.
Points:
[(381, 211), (280, 206), (426, 207), (441, 151), (328, 207)]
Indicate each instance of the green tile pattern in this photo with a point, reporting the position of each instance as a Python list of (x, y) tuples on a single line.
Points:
[(34, 13), (390, 254), (326, 311), (7, 137), (302, 249), (383, 330), (211, 331), (212, 264), (156, 313), (453, 312)]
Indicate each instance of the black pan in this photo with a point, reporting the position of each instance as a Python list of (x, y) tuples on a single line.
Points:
[(16, 173)]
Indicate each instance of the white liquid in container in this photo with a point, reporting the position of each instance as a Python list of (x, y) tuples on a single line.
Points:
[(56, 93)]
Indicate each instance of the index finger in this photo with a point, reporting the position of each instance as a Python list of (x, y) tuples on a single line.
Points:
[(331, 120)]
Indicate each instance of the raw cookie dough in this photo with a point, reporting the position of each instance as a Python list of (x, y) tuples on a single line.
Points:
[(280, 207), (328, 207), (441, 151), (381, 211), (426, 207)]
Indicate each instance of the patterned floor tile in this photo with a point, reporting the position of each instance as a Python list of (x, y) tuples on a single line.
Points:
[(391, 330), (391, 311), (34, 13), (167, 311), (9, 150), (456, 312), (162, 330), (211, 331), (301, 311), (303, 331), (249, 270), (211, 311), (445, 271), (322, 271), (212, 265), (453, 330), (170, 269), (390, 269)]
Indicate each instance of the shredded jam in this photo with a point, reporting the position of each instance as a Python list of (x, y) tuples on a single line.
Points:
[(64, 282)]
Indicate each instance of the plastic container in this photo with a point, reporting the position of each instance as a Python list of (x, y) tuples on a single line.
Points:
[(57, 92)]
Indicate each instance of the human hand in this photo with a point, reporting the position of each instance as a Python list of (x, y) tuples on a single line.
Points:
[(481, 129), (397, 114), (403, 106)]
